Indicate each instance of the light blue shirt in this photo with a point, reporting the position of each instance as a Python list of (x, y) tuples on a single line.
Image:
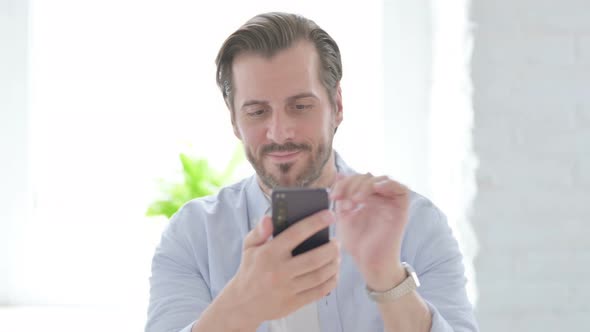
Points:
[(201, 249)]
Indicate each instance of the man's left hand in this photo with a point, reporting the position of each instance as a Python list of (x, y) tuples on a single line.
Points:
[(372, 213)]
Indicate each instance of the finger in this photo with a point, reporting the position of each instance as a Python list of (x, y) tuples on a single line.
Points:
[(346, 209), (260, 234), (317, 277), (366, 189), (302, 230), (314, 259), (348, 189), (337, 187), (341, 187), (356, 184), (391, 188), (316, 293)]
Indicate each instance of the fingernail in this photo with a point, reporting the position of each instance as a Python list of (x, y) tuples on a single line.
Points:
[(381, 183)]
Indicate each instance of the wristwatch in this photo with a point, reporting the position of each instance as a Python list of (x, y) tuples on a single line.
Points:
[(409, 284)]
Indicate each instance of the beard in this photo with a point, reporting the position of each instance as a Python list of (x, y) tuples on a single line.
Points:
[(312, 169)]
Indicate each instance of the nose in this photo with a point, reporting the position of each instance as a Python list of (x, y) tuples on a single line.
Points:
[(280, 128)]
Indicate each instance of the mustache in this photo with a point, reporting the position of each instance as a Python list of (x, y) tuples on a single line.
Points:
[(287, 147)]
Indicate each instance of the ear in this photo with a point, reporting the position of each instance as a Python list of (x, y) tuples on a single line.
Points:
[(338, 104)]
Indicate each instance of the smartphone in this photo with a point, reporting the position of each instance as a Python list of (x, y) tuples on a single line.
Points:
[(290, 205)]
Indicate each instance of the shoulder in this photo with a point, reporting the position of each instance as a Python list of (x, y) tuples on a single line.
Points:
[(194, 215), (424, 213), (223, 199), (427, 233)]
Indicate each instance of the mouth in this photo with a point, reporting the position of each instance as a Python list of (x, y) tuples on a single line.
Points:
[(284, 157)]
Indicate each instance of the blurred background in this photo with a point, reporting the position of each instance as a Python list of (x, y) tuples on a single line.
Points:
[(482, 106)]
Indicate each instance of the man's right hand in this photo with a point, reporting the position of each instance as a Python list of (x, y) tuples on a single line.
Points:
[(271, 283)]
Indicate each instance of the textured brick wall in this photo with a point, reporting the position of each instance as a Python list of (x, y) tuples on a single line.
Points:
[(531, 77)]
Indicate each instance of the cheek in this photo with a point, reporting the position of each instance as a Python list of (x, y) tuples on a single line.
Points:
[(317, 130), (252, 137), (328, 125)]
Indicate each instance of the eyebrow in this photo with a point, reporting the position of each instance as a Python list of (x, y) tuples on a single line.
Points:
[(302, 95), (254, 102), (289, 99)]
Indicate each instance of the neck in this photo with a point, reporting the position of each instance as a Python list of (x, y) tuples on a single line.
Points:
[(326, 179)]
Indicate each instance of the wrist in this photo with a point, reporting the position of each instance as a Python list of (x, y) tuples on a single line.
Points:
[(387, 278), (240, 306), (233, 310)]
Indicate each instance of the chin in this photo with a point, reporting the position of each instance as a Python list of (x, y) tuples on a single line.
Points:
[(281, 179)]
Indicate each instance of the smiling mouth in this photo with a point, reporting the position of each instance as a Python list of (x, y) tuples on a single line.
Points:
[(283, 157)]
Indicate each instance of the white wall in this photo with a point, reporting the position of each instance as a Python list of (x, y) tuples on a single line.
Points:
[(531, 72), (407, 78), (14, 198)]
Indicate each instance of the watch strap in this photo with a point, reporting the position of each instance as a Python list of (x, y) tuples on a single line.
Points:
[(408, 285)]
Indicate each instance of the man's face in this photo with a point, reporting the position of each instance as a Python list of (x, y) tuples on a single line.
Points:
[(283, 115)]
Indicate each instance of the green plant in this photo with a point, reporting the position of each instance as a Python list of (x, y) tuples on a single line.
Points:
[(200, 179)]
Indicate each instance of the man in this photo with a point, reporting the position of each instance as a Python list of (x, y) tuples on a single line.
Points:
[(217, 268)]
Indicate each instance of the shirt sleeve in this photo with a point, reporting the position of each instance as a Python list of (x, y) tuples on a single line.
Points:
[(178, 291), (439, 264)]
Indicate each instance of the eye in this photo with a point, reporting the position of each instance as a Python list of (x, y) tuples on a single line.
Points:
[(301, 107), (256, 113)]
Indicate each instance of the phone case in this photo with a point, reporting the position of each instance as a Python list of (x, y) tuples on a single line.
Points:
[(290, 205)]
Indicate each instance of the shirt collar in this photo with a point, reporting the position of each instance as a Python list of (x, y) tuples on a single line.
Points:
[(257, 204)]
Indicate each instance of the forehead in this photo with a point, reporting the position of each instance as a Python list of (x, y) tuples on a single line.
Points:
[(288, 72)]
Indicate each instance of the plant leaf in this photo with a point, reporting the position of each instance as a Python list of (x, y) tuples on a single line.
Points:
[(199, 180)]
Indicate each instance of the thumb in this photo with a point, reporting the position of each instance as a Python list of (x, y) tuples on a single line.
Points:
[(259, 234)]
